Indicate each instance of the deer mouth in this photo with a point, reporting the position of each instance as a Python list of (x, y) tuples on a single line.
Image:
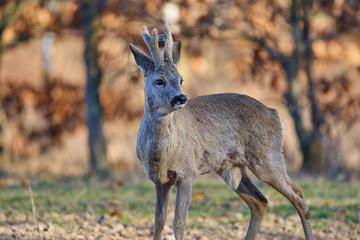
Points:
[(178, 106)]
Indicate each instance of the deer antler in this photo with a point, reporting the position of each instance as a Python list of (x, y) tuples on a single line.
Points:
[(167, 38), (153, 44)]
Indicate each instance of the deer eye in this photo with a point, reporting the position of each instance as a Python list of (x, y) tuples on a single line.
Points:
[(159, 82)]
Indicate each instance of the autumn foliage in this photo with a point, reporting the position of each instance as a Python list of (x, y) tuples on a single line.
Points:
[(228, 46)]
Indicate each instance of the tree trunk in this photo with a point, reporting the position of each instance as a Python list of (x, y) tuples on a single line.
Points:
[(11, 9), (313, 152), (91, 19), (310, 140)]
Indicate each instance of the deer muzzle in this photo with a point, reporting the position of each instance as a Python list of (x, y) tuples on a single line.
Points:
[(179, 100)]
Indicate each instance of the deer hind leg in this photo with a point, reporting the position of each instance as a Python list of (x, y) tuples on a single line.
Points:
[(253, 198), (304, 212), (285, 186), (274, 174)]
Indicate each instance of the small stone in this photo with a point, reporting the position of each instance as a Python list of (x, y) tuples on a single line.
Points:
[(43, 227), (2, 217)]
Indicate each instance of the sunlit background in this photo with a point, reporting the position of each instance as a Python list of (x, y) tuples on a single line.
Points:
[(300, 57)]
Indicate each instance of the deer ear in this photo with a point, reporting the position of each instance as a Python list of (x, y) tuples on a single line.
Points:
[(176, 51), (144, 62)]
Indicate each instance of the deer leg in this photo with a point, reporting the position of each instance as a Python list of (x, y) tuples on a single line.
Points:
[(183, 199), (301, 208), (256, 202), (278, 179), (162, 202), (294, 194), (252, 197)]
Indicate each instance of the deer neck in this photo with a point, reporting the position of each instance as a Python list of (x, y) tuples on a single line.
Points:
[(162, 132), (158, 123), (154, 116), (156, 135)]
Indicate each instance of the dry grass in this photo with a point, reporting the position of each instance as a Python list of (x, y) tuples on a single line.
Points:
[(79, 209)]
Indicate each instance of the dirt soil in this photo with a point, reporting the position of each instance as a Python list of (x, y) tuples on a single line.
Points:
[(88, 226)]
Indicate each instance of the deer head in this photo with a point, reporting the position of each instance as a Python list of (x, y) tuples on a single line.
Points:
[(163, 90)]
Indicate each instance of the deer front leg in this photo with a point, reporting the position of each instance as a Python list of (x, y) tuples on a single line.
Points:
[(183, 199), (162, 202)]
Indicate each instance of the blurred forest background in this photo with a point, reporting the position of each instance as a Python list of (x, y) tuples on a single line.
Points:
[(66, 69)]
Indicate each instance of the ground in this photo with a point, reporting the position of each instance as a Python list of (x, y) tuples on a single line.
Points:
[(78, 209)]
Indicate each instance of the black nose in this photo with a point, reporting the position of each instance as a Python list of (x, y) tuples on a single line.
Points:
[(181, 99)]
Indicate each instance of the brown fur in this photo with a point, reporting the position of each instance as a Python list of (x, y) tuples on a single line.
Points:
[(221, 133)]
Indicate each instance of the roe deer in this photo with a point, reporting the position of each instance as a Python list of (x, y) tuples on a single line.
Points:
[(180, 139)]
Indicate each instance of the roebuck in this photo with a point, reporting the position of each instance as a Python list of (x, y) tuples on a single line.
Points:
[(180, 139)]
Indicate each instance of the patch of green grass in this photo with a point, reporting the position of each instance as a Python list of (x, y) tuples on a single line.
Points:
[(322, 213), (318, 224), (285, 210), (56, 221), (231, 221), (127, 219), (136, 200)]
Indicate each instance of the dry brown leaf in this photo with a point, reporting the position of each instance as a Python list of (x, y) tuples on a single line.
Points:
[(198, 196), (117, 213), (116, 184)]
